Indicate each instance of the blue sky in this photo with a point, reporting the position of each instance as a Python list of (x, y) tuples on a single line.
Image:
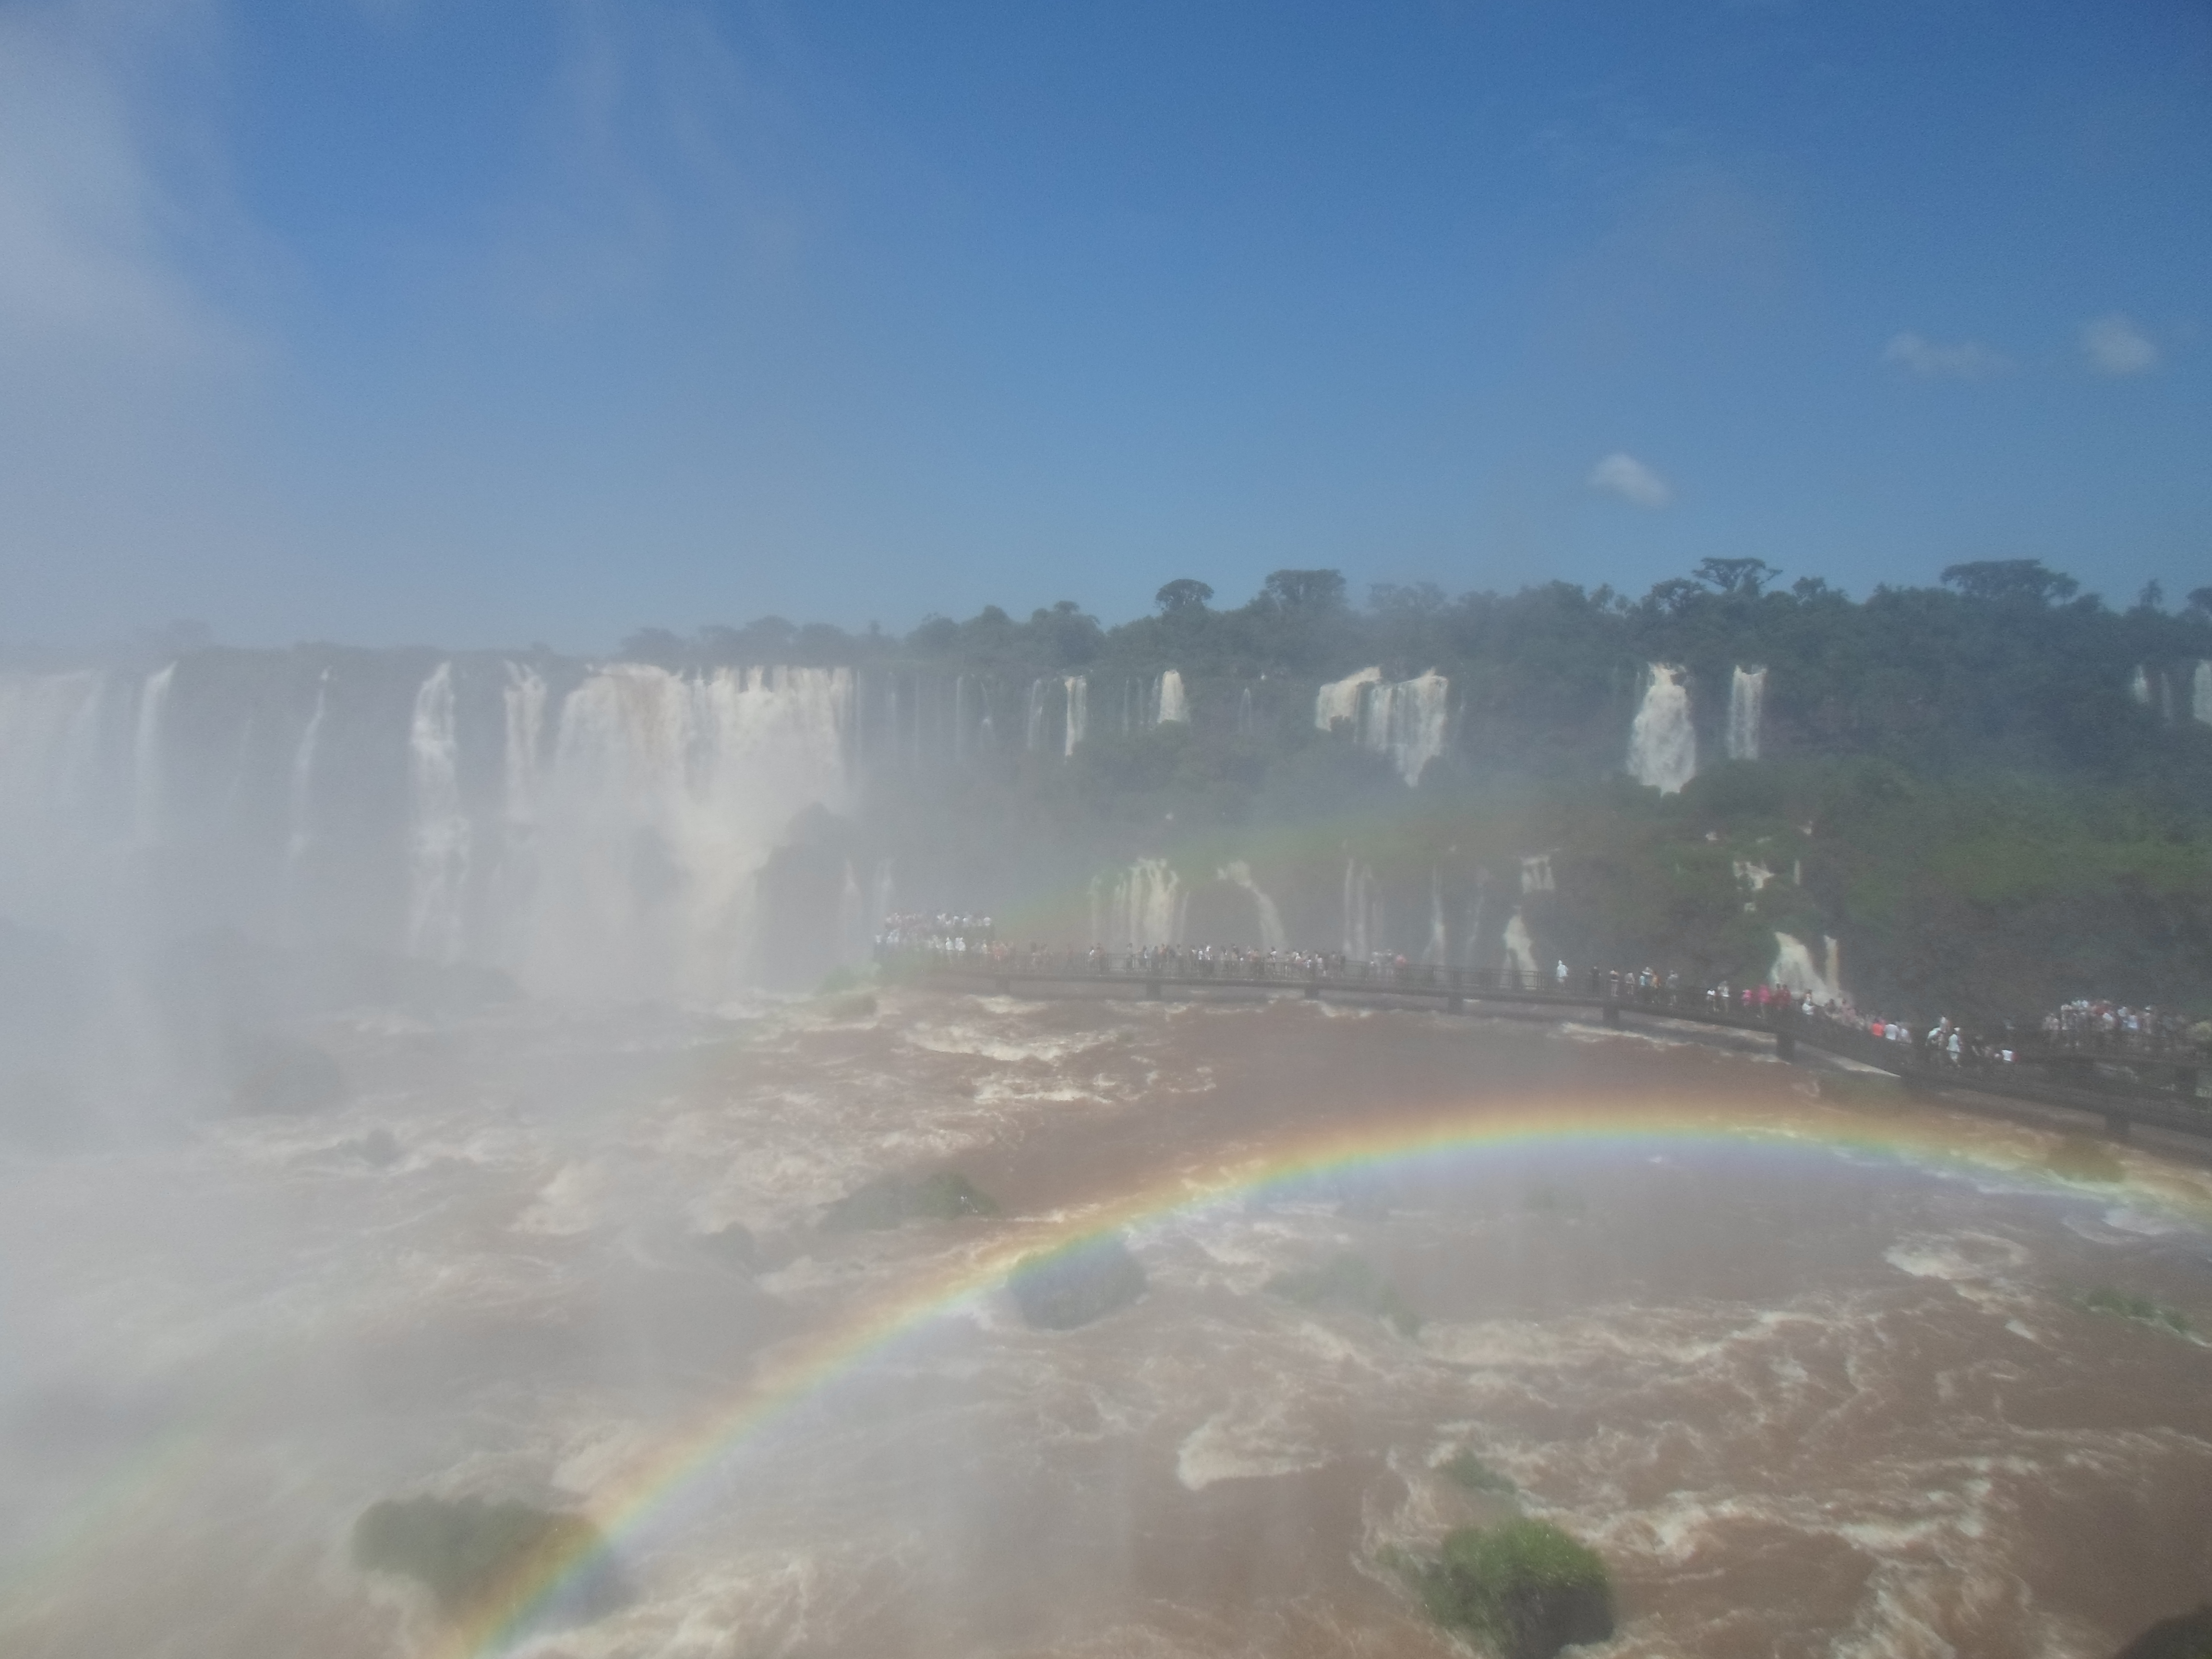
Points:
[(481, 323)]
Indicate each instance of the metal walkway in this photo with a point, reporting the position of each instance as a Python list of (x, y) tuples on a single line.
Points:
[(2114, 1089)]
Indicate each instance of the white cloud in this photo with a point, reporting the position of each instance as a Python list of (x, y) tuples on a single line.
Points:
[(1623, 475), (1968, 359), (2115, 345)]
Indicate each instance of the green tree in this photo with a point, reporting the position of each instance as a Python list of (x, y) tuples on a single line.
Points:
[(2004, 580), (1181, 595), (1305, 590)]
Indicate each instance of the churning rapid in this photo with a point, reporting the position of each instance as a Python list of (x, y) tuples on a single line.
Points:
[(1816, 1369)]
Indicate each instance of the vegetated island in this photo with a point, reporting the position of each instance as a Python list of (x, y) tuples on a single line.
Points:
[(1526, 1588)]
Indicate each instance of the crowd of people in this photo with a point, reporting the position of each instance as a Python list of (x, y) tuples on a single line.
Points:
[(2084, 1025), (939, 932)]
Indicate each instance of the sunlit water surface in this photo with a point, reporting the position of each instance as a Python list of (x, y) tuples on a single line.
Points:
[(1805, 1401)]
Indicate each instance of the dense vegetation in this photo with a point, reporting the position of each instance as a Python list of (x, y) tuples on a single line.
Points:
[(1525, 1587), (1993, 791)]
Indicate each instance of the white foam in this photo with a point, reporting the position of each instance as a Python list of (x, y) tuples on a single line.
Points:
[(1251, 1440)]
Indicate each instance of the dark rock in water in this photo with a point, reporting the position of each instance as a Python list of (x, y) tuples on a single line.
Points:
[(498, 1561), (891, 1201), (734, 1244), (2189, 1635), (379, 1148), (1348, 1281), (282, 1079), (1064, 1288), (1527, 1588)]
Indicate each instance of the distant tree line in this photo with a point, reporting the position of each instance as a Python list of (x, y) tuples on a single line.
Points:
[(2005, 661)]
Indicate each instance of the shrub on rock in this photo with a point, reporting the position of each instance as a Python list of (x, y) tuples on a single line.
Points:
[(1527, 1588)]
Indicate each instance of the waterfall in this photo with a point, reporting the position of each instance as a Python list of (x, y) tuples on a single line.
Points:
[(1409, 722), (1403, 719), (1238, 873), (50, 760), (1142, 906), (1519, 946), (301, 800), (1173, 706), (1339, 699), (2200, 693), (1793, 970), (1746, 705), (1033, 728), (147, 782), (1078, 696), (438, 835), (1536, 873), (2139, 686), (959, 719), (1246, 726), (1662, 747), (853, 929), (1439, 949), (665, 796), (524, 700), (887, 894), (1363, 911)]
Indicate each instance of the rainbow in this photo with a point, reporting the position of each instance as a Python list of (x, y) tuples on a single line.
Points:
[(1942, 1143)]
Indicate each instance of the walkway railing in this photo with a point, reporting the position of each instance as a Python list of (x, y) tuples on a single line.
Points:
[(2158, 1089)]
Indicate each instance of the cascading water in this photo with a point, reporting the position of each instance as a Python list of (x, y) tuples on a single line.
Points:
[(2200, 693), (666, 795), (1237, 873), (439, 838), (1247, 725), (1339, 700), (1408, 722), (853, 928), (300, 802), (2139, 686), (1173, 706), (1662, 745), (1363, 911), (1033, 728), (1438, 950), (1143, 906), (1405, 720), (1746, 710), (1519, 946), (1079, 692), (1793, 970), (147, 781), (1536, 873), (50, 729)]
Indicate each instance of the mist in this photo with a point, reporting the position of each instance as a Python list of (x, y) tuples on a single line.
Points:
[(1380, 833)]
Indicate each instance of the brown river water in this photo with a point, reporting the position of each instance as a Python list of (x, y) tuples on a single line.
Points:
[(1807, 1363)]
